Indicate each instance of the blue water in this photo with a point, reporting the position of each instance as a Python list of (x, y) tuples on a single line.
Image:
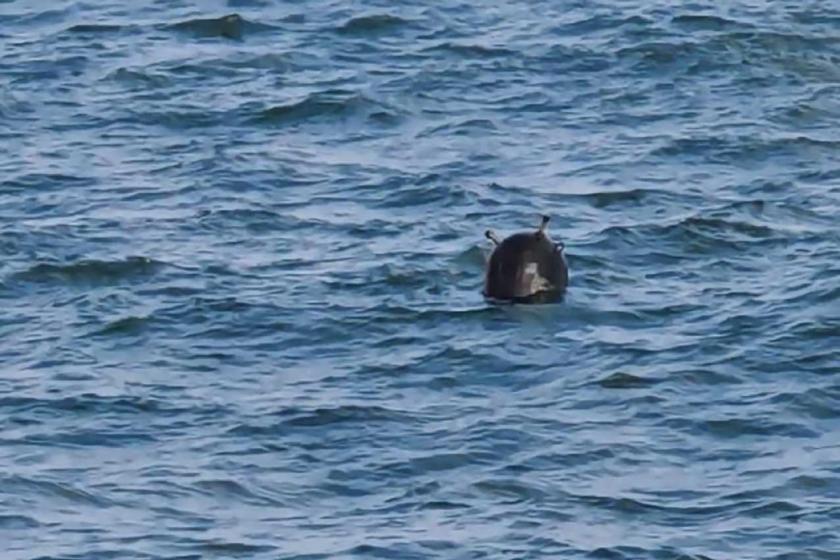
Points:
[(242, 253)]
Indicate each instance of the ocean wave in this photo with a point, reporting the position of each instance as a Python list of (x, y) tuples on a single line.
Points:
[(372, 24), (232, 26), (94, 28), (338, 417), (229, 489), (88, 438), (621, 199), (65, 492), (328, 105), (741, 428), (124, 326), (471, 50), (95, 272), (692, 236), (25, 19), (725, 50), (603, 22), (622, 380), (707, 22), (233, 548), (177, 117), (141, 76), (88, 403), (624, 552), (44, 181), (341, 415), (469, 127), (743, 149), (18, 522)]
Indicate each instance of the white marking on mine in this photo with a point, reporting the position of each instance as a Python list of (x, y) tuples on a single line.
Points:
[(533, 280)]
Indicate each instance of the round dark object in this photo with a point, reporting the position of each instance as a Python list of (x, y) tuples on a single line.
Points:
[(526, 268)]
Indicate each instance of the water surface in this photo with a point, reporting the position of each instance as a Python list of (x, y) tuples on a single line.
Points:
[(242, 250)]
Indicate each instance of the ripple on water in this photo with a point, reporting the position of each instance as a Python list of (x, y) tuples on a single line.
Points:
[(328, 106), (372, 25), (232, 26), (90, 272)]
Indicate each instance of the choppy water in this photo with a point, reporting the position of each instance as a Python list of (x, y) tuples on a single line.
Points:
[(242, 253)]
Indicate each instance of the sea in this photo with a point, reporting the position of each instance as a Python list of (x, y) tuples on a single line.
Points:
[(241, 265)]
